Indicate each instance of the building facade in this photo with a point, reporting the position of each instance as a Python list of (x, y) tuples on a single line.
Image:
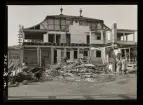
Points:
[(60, 36)]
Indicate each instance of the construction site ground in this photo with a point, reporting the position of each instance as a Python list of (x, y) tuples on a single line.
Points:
[(125, 87)]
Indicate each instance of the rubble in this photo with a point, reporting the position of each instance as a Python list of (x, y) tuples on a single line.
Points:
[(67, 70)]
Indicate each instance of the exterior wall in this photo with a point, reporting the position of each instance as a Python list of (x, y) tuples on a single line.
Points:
[(96, 60), (78, 33), (46, 56), (93, 38)]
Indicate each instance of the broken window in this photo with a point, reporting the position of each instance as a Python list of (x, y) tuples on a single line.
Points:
[(51, 38), (98, 35), (85, 53), (93, 26), (99, 26), (58, 37), (98, 53), (57, 24), (75, 54)]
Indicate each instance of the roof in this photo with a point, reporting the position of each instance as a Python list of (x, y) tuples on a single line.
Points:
[(131, 30), (73, 17), (68, 17)]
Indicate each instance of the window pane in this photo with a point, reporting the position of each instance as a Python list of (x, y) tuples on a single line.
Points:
[(63, 22), (51, 27), (98, 53), (67, 28), (68, 22), (84, 23), (50, 21), (99, 26), (57, 27), (63, 27), (57, 21)]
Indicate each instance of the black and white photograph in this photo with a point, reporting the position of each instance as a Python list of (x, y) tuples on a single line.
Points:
[(72, 52)]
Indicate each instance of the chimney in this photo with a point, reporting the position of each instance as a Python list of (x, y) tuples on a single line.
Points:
[(80, 12), (114, 33)]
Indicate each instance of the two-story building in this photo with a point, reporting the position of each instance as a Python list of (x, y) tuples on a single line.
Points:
[(59, 36)]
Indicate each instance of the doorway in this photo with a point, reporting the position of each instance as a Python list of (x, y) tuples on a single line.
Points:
[(55, 56), (68, 54), (88, 39)]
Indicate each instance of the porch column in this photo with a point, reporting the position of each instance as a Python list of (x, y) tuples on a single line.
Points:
[(134, 37), (71, 55), (129, 55), (52, 55), (123, 36), (59, 55), (101, 35), (40, 57), (65, 52), (78, 52), (126, 37), (55, 38)]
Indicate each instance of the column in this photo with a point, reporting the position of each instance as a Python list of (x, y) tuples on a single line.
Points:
[(78, 52), (40, 57), (134, 37), (101, 35), (65, 52), (126, 37), (59, 55), (38, 53), (55, 38), (71, 55), (52, 55), (90, 37), (123, 36), (129, 55)]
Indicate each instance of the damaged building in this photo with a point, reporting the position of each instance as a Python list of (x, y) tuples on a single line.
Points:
[(60, 36)]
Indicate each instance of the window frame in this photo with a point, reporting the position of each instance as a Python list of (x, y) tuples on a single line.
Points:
[(98, 53)]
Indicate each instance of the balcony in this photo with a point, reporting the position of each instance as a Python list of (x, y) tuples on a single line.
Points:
[(126, 42)]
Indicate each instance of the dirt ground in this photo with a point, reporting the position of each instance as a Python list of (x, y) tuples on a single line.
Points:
[(123, 88)]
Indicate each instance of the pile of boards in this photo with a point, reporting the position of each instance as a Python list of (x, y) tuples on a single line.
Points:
[(77, 71), (68, 70)]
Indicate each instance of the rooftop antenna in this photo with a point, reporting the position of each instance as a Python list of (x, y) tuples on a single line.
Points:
[(80, 12), (61, 10)]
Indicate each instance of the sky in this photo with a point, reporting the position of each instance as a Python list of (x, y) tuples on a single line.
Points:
[(124, 15)]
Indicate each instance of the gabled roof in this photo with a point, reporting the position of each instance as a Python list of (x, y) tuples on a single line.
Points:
[(73, 17), (68, 17)]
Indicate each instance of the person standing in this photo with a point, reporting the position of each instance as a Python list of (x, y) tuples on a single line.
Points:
[(118, 65), (110, 67), (123, 70)]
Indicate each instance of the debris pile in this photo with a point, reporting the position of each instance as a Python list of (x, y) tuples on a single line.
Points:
[(66, 70)]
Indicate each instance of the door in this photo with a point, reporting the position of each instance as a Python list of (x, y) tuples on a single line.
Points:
[(55, 56), (88, 39), (68, 54)]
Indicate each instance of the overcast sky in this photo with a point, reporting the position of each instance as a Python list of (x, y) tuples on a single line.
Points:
[(124, 15)]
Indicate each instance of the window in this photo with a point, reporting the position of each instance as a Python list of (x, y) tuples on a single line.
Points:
[(51, 38), (108, 35), (62, 53), (98, 53), (99, 26), (93, 26), (98, 35)]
